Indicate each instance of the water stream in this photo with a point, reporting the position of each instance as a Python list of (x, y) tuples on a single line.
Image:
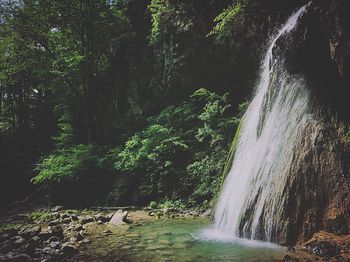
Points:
[(175, 240), (251, 202)]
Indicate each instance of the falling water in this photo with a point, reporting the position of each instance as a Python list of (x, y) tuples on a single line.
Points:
[(251, 203)]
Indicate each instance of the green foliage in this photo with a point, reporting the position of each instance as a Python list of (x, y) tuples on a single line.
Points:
[(154, 144), (42, 216), (214, 134), (155, 154), (4, 227), (65, 137), (180, 155), (225, 20), (66, 165), (347, 137), (172, 204), (233, 147), (75, 175), (158, 8), (82, 84), (153, 204)]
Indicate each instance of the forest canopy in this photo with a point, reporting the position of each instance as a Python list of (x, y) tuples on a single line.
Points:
[(124, 101)]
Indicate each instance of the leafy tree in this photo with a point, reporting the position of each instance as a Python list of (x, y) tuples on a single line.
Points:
[(153, 159), (98, 87), (74, 176), (180, 155)]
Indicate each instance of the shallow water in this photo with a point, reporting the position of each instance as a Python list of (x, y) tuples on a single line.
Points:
[(179, 240)]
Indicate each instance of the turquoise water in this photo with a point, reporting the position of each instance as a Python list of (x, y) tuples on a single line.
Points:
[(179, 240)]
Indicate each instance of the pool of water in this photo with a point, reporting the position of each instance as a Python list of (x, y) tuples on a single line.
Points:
[(179, 240)]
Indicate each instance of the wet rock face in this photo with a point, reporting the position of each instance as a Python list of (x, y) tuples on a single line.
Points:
[(335, 19), (324, 249), (321, 53), (318, 190), (331, 23), (317, 196)]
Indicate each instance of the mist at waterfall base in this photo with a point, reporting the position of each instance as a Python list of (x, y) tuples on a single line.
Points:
[(250, 205)]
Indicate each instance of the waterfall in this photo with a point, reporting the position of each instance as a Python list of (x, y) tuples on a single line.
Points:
[(251, 202)]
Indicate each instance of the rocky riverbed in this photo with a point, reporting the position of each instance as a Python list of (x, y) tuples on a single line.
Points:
[(60, 234)]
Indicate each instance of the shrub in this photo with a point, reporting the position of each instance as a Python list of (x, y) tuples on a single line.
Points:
[(73, 175), (151, 160), (179, 156)]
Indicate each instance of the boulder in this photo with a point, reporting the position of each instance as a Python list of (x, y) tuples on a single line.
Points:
[(337, 224), (6, 246), (87, 219), (55, 244), (74, 217), (100, 217), (18, 257), (53, 239), (170, 210), (4, 237), (35, 240), (56, 231), (55, 215), (109, 216), (50, 251), (324, 249), (66, 220), (64, 216), (8, 233), (78, 227), (73, 240), (45, 234), (206, 213), (86, 240), (287, 258), (30, 232), (107, 232), (57, 208), (119, 218), (29, 248), (79, 237), (54, 222), (69, 249), (19, 241)]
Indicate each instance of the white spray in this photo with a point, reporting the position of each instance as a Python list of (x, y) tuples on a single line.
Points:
[(251, 202)]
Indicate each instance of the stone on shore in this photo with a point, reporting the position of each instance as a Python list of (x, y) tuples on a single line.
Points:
[(119, 218)]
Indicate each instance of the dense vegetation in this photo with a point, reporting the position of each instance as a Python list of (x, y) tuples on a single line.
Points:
[(124, 102)]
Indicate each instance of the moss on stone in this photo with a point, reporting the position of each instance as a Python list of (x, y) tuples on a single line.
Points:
[(232, 152)]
